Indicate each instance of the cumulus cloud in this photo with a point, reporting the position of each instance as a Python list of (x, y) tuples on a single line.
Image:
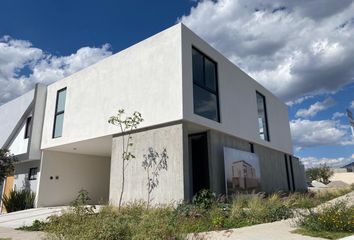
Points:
[(307, 133), (352, 104), (337, 115), (22, 65), (294, 48), (315, 108), (332, 162)]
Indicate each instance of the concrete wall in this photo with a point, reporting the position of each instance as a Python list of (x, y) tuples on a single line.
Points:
[(11, 114), (35, 139), (20, 144), (299, 175), (272, 163), (21, 176), (171, 182), (75, 172), (146, 77), (237, 99)]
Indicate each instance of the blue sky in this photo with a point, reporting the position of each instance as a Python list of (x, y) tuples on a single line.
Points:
[(302, 51), (62, 27)]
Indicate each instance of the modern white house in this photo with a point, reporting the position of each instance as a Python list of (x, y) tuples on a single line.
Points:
[(194, 102)]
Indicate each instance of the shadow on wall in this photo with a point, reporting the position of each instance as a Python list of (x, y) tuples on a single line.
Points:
[(153, 163)]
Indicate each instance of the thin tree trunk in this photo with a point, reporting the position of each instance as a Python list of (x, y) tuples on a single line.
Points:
[(123, 170)]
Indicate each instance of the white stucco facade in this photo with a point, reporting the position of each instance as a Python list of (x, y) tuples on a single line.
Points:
[(155, 78), (145, 77), (20, 143), (237, 99)]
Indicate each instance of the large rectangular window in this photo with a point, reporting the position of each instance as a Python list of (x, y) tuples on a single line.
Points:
[(205, 86), (59, 113), (262, 117)]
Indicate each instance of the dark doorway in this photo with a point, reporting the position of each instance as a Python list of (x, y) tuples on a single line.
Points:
[(198, 147)]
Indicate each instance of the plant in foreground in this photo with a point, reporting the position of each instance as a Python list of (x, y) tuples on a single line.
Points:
[(335, 218), (126, 125), (19, 200)]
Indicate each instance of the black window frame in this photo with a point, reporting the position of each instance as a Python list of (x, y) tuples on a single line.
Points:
[(32, 175), (56, 113), (216, 92), (265, 114), (27, 127)]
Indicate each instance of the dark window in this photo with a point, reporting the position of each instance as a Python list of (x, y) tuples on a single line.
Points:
[(59, 113), (292, 171), (33, 174), (252, 147), (262, 117), (205, 86), (28, 127), (287, 172)]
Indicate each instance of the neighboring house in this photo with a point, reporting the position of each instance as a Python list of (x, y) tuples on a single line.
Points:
[(194, 102), (21, 122), (349, 167)]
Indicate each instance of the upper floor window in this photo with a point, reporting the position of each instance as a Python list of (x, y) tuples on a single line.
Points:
[(205, 86), (59, 113), (28, 127), (262, 117)]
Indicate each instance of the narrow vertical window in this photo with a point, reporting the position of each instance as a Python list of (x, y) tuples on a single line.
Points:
[(33, 174), (262, 117), (205, 92), (59, 113), (28, 127)]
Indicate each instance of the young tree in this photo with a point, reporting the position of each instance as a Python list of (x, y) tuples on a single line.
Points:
[(126, 125), (7, 161), (153, 164), (321, 173)]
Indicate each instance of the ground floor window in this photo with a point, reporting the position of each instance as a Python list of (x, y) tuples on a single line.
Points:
[(33, 174)]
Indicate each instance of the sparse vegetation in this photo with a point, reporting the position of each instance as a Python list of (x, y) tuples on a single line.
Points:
[(331, 221), (206, 212)]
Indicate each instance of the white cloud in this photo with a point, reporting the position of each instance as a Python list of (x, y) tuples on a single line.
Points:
[(307, 133), (315, 108), (337, 115), (352, 104), (332, 162), (294, 48), (22, 65)]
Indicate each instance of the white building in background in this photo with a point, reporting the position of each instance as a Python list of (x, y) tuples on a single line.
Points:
[(194, 102)]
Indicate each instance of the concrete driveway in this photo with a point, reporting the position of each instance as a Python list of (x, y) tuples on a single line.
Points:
[(26, 217)]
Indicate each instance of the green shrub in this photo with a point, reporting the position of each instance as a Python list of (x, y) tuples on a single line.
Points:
[(256, 209), (337, 217), (19, 200), (80, 206), (36, 226), (301, 200), (204, 199)]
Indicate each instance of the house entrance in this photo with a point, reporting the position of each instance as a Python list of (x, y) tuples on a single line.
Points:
[(198, 152)]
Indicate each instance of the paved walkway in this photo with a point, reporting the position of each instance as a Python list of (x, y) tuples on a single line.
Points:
[(269, 231), (19, 235), (26, 217)]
